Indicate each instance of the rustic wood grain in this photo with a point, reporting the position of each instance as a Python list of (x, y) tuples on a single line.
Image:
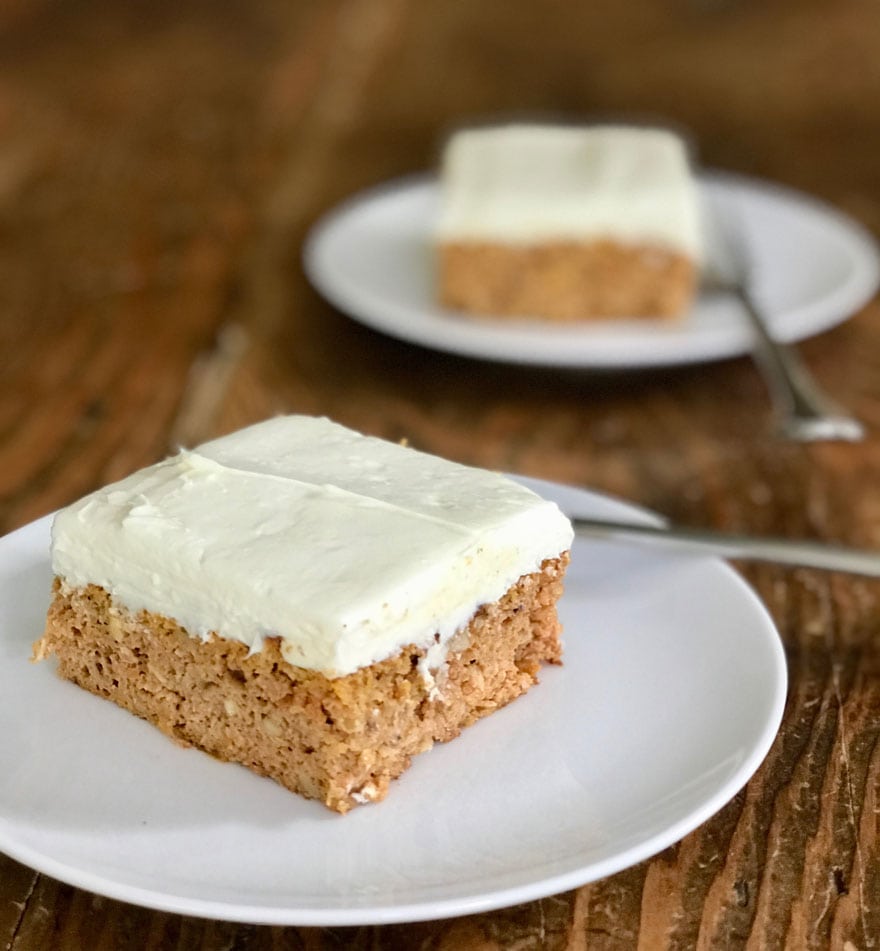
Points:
[(159, 168)]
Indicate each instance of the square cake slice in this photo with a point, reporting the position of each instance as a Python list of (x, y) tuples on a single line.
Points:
[(568, 223), (315, 604)]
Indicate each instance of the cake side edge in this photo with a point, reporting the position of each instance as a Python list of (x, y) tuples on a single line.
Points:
[(339, 740)]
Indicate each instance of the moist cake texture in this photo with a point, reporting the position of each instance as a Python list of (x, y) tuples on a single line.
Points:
[(312, 603), (568, 223)]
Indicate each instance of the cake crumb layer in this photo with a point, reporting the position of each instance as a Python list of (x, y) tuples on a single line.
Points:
[(566, 281), (338, 740)]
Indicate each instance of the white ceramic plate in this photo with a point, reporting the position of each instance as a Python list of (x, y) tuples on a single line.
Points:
[(670, 696), (813, 268)]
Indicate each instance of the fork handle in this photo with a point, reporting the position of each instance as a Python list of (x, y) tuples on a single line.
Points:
[(697, 541), (807, 413)]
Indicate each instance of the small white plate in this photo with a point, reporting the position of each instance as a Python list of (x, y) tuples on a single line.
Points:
[(814, 268), (671, 694)]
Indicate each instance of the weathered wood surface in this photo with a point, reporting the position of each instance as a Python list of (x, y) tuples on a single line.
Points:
[(159, 167)]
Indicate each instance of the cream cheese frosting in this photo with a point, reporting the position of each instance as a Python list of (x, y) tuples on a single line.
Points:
[(345, 546), (530, 183)]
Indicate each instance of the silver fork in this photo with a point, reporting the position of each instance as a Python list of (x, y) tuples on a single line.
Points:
[(697, 541), (805, 413)]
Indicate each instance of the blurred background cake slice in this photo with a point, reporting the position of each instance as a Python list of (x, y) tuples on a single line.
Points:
[(568, 223)]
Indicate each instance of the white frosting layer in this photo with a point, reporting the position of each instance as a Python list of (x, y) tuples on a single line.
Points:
[(345, 546), (528, 183)]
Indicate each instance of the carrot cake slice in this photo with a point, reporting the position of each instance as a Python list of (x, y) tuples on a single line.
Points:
[(568, 223), (315, 604)]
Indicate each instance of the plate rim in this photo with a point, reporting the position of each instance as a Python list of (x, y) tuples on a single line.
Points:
[(487, 900), (863, 250)]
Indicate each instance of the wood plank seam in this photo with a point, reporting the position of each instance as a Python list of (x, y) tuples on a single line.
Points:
[(23, 909), (209, 379), (858, 857)]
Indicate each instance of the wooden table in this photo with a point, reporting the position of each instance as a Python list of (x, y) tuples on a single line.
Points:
[(159, 167)]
